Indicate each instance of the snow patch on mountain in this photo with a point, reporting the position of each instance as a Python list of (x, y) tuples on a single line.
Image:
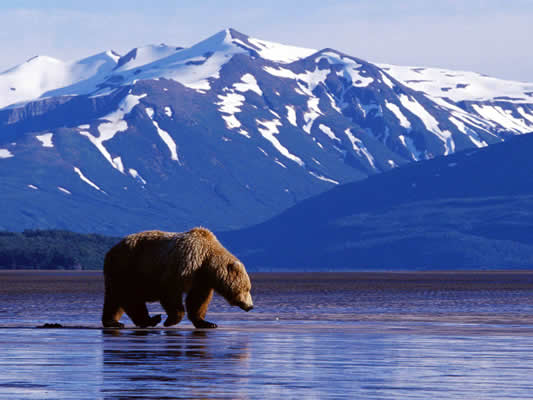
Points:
[(31, 79), (466, 122), (101, 148), (262, 151), (86, 180), (5, 153), (232, 122), (333, 103), (62, 189), (313, 113), (328, 132), (268, 130), (144, 55), (291, 115), (351, 70), (429, 122), (118, 162), (248, 82), (323, 178), (40, 75), (279, 52), (411, 148), (398, 114), (502, 117), (360, 148), (136, 175), (116, 119), (281, 72), (165, 136), (524, 114), (472, 135), (45, 139), (311, 78), (109, 129), (387, 82), (460, 85), (231, 102), (193, 67)]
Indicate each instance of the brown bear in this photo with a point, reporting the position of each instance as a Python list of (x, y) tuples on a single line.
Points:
[(161, 266)]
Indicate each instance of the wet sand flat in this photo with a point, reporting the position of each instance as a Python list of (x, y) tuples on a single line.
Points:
[(445, 335)]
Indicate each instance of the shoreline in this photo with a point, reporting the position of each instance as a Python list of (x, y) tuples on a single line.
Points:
[(395, 326), (527, 271)]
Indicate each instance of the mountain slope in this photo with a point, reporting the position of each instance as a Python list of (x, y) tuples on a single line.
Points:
[(226, 133), (468, 210)]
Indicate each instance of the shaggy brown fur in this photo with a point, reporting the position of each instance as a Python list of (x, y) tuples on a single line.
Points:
[(161, 266)]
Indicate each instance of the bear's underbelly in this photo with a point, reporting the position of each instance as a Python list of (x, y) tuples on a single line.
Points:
[(146, 292), (153, 289)]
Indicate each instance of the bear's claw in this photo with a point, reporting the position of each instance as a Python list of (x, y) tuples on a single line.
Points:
[(171, 321), (203, 324), (113, 324), (152, 321)]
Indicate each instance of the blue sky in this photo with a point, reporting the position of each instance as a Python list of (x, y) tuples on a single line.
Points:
[(488, 36)]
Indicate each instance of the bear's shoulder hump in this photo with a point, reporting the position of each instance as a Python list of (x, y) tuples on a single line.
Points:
[(202, 232)]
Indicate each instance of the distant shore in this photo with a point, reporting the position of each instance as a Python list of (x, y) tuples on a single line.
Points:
[(279, 281)]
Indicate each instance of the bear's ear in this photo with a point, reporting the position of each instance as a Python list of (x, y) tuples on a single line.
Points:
[(234, 268), (235, 265)]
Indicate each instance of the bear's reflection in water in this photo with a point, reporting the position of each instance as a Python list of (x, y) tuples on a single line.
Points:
[(174, 364)]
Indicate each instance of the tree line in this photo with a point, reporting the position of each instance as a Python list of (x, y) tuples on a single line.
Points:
[(53, 249)]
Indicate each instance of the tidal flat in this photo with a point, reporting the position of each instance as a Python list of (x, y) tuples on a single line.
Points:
[(411, 335)]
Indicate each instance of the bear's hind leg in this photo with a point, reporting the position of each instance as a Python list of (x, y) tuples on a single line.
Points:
[(197, 302), (138, 313), (111, 313), (174, 308)]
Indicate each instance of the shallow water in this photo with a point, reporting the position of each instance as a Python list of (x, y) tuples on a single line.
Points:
[(368, 336)]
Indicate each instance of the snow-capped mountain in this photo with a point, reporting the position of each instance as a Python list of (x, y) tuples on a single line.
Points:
[(225, 133)]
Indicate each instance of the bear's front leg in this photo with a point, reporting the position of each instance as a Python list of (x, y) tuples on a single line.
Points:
[(197, 302), (173, 306)]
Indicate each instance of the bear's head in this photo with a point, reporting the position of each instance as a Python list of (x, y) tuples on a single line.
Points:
[(232, 282), (240, 286)]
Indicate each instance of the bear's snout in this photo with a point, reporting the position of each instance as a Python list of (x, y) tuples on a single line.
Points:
[(245, 302)]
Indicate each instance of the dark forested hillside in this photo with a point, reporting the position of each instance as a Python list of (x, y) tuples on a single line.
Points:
[(53, 249), (466, 211)]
